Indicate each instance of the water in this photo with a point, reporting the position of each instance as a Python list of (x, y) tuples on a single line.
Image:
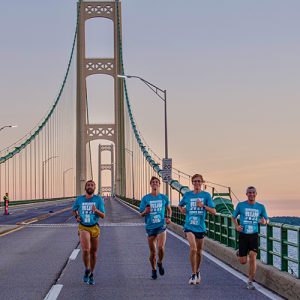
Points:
[(292, 251)]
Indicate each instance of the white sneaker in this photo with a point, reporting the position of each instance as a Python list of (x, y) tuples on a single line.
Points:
[(250, 285), (198, 277), (193, 279)]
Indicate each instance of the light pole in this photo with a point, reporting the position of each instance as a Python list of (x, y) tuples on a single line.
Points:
[(43, 179), (131, 153), (8, 126), (64, 173), (162, 94)]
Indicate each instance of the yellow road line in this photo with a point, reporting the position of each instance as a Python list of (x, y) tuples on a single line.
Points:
[(11, 230)]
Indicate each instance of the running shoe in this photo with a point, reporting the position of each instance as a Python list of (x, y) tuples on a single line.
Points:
[(91, 279), (198, 277), (154, 274), (193, 279), (161, 269), (86, 275), (250, 285)]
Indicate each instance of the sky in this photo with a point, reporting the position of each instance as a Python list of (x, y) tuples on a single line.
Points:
[(231, 70)]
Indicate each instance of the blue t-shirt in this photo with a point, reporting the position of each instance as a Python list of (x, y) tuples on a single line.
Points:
[(156, 217), (195, 216), (84, 207), (250, 215)]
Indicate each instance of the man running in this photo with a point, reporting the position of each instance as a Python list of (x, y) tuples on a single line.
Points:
[(152, 207), (87, 209), (251, 213), (194, 205)]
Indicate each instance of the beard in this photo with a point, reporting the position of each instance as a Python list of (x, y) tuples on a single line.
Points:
[(90, 191)]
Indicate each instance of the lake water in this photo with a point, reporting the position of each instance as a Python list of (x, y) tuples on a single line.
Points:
[(292, 251)]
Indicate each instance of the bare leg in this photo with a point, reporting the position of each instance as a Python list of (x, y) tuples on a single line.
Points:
[(93, 252), (193, 250), (242, 260), (86, 247), (152, 248), (199, 243), (252, 265), (161, 241)]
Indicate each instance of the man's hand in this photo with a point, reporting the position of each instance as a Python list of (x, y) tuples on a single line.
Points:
[(199, 203), (263, 221), (168, 220), (183, 210), (78, 219), (239, 228), (147, 210), (94, 208)]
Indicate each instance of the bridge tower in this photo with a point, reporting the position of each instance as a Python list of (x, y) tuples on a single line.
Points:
[(109, 66), (102, 167)]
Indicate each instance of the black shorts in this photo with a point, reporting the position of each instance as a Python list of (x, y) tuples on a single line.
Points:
[(198, 235), (247, 242)]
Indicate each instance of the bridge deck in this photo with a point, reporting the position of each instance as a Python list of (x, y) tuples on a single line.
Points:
[(123, 270)]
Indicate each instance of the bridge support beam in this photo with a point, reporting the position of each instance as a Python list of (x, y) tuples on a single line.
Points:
[(109, 66)]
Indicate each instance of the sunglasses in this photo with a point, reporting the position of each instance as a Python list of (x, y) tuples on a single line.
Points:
[(195, 181)]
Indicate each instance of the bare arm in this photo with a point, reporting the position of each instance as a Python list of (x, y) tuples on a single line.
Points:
[(206, 207), (210, 210), (238, 227), (145, 212), (182, 209), (169, 214), (76, 214), (98, 212)]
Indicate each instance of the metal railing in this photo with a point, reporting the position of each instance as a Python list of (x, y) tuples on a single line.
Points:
[(279, 243)]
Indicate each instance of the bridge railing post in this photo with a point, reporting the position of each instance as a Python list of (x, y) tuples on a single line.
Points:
[(298, 242), (284, 248), (269, 245)]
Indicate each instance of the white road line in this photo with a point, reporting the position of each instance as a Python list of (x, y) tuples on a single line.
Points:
[(74, 254), (237, 274), (54, 292)]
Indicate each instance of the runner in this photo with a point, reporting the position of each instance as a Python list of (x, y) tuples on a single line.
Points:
[(194, 205), (250, 212), (87, 209), (152, 207)]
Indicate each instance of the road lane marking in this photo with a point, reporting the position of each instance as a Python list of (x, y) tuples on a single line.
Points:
[(54, 292), (11, 230), (237, 274), (29, 222), (74, 254)]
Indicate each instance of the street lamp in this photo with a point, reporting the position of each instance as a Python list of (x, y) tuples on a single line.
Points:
[(162, 94), (8, 126), (131, 153), (43, 166), (64, 173)]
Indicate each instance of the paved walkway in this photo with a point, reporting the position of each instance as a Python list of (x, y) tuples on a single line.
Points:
[(123, 270)]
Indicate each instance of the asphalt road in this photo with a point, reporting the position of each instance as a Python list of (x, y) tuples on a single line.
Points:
[(36, 258)]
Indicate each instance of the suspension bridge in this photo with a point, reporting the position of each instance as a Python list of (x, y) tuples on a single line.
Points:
[(44, 170)]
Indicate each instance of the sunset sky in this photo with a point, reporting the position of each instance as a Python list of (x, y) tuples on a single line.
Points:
[(231, 70)]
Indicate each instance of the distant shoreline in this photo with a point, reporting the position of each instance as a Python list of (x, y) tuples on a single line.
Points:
[(286, 220)]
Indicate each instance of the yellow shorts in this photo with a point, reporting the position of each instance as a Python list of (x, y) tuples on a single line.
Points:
[(93, 230)]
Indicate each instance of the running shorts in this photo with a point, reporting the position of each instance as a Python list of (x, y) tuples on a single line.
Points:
[(247, 242), (94, 230)]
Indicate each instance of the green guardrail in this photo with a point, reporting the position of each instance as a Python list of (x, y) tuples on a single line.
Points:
[(279, 243)]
